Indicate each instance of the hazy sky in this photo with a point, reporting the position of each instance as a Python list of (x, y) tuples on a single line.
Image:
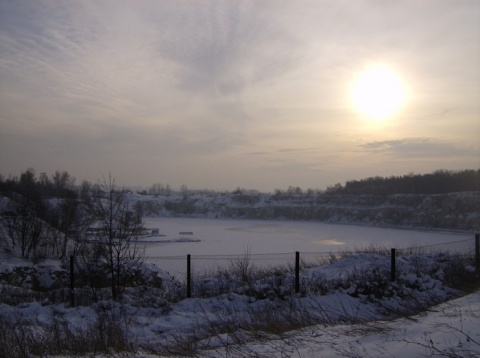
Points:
[(225, 94)]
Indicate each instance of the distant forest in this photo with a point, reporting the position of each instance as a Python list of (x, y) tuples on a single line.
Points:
[(62, 185), (438, 182), (441, 200)]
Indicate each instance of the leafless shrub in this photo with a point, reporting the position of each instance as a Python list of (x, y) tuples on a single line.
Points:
[(459, 273), (243, 267), (410, 305), (13, 295), (178, 343), (105, 334), (370, 249), (319, 284), (15, 339)]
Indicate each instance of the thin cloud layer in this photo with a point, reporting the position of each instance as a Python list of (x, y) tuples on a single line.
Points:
[(240, 93), (412, 148)]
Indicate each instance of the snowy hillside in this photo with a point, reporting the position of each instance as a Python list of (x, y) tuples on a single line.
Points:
[(452, 211)]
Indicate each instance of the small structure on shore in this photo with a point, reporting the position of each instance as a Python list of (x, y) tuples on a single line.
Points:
[(185, 234)]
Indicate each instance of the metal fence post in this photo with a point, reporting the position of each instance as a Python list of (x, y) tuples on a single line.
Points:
[(189, 276), (477, 252), (72, 282), (393, 269), (297, 272)]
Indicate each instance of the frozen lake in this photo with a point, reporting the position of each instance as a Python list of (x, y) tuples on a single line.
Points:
[(218, 236)]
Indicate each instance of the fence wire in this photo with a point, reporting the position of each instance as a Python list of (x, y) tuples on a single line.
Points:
[(457, 247), (247, 273)]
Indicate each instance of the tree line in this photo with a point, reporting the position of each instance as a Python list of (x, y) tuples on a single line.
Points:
[(51, 217), (438, 182)]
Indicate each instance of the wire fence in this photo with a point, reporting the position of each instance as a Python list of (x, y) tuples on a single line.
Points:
[(259, 275), (466, 246), (441, 261), (204, 275)]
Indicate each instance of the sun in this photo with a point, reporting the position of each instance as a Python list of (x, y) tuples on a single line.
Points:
[(378, 92)]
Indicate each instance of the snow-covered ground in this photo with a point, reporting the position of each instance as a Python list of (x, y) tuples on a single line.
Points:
[(451, 329), (238, 324), (338, 323)]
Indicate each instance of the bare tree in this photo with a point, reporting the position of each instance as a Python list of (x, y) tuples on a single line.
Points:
[(184, 190), (85, 191), (23, 227), (118, 226)]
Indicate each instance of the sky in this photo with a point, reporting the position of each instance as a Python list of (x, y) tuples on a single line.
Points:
[(224, 94)]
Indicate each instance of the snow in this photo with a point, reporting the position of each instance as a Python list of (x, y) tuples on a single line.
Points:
[(223, 236), (449, 327), (451, 211), (346, 320)]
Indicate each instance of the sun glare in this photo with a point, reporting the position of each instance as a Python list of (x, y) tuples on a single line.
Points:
[(378, 92)]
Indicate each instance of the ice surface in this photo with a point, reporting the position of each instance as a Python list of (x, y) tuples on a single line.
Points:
[(219, 236)]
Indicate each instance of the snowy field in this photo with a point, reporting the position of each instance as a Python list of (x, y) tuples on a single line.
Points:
[(218, 236), (344, 321), (451, 329), (226, 325)]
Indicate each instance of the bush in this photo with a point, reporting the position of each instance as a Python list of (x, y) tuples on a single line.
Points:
[(106, 334)]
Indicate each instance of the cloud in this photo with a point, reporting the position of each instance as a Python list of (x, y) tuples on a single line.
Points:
[(223, 48), (253, 84), (419, 148), (299, 150), (111, 65)]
